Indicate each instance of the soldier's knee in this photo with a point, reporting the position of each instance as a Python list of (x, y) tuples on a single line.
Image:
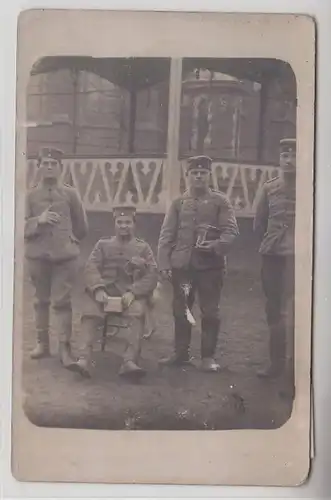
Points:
[(137, 309), (178, 308), (42, 303), (62, 305), (273, 312), (212, 318), (211, 313), (181, 321), (91, 320), (89, 327)]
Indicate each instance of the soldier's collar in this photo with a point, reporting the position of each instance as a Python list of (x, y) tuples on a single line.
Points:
[(124, 241), (51, 182), (188, 194)]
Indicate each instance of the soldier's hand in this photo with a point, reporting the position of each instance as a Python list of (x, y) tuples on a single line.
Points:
[(48, 217), (127, 299), (166, 275), (209, 246), (138, 261), (101, 296)]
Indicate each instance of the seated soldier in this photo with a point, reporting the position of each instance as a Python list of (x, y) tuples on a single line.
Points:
[(123, 267)]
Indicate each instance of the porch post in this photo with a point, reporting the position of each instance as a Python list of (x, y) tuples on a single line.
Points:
[(132, 120), (172, 173), (75, 78), (264, 94)]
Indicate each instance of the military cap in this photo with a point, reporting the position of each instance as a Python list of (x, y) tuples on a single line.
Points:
[(54, 153), (120, 210), (288, 145), (196, 162)]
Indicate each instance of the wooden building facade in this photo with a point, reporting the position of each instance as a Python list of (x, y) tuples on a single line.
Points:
[(127, 126)]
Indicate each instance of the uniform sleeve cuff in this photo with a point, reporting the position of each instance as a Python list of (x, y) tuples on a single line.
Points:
[(95, 288)]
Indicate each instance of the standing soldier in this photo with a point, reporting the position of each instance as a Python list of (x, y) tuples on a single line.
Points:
[(55, 224), (200, 212), (122, 267), (275, 226)]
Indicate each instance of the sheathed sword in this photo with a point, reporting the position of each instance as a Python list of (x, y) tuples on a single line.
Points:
[(186, 288)]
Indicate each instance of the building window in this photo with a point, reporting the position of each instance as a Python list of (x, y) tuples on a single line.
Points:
[(279, 122), (87, 115), (219, 117), (50, 112)]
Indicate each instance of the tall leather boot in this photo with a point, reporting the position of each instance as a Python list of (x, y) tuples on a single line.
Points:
[(63, 328), (277, 352), (42, 348), (42, 326), (182, 344), (209, 336), (66, 357)]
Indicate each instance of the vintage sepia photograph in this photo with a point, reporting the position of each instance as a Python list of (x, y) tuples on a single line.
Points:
[(159, 241), (159, 237)]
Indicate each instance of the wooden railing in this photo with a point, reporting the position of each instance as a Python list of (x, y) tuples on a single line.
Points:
[(103, 182)]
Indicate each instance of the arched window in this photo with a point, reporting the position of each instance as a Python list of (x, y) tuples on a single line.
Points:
[(219, 117)]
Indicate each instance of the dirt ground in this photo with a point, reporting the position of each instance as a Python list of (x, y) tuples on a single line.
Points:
[(167, 398)]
